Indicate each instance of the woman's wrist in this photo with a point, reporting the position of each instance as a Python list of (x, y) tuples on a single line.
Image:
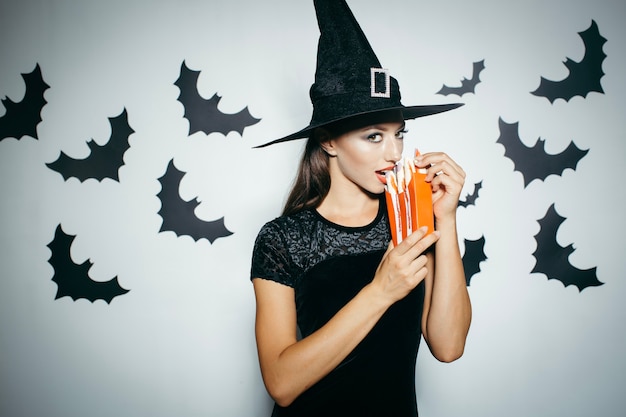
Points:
[(446, 223), (376, 296)]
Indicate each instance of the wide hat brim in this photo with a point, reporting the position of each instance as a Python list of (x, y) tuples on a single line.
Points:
[(408, 113)]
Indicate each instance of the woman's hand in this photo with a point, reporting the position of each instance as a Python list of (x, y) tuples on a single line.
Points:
[(446, 178), (403, 267)]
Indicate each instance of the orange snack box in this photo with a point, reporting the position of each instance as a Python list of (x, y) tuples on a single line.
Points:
[(409, 200)]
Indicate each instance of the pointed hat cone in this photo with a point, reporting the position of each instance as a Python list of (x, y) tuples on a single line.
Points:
[(349, 80)]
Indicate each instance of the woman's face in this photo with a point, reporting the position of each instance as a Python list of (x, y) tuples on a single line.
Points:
[(362, 156)]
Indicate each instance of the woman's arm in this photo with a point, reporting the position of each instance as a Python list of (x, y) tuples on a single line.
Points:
[(289, 366), (447, 308)]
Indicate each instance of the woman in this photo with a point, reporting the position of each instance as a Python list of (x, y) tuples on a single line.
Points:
[(326, 267)]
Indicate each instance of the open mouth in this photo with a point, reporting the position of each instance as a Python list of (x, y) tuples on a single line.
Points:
[(382, 174)]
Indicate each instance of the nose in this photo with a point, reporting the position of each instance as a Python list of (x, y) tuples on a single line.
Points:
[(393, 149)]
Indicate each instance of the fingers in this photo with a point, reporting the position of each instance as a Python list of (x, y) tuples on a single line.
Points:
[(405, 266), (420, 266), (417, 242), (451, 179), (409, 260), (434, 158), (442, 171), (439, 163)]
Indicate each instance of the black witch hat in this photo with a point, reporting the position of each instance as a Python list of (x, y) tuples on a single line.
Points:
[(349, 80)]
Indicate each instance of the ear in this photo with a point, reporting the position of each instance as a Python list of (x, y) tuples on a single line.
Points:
[(326, 143)]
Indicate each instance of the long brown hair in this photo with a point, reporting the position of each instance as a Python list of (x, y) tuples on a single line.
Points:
[(312, 181)]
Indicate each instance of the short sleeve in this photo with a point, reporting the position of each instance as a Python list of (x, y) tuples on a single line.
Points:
[(270, 256)]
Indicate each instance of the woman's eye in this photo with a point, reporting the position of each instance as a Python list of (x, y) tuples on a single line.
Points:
[(400, 134), (375, 137)]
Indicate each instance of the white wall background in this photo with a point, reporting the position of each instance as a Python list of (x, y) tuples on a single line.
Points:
[(181, 341)]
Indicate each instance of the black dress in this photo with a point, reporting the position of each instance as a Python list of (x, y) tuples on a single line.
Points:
[(327, 265)]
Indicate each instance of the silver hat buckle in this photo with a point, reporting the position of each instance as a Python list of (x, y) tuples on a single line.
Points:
[(374, 92)]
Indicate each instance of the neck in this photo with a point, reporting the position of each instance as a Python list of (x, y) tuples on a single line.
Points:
[(352, 207)]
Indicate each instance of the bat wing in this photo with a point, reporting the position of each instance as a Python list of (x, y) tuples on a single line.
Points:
[(21, 119), (535, 163), (103, 161), (73, 280), (178, 215), (470, 200), (474, 255), (467, 86), (203, 115), (584, 76), (553, 259)]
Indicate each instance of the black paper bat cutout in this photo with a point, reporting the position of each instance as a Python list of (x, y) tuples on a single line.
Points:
[(104, 161), (73, 280), (178, 215), (467, 86), (203, 115), (584, 76), (553, 259), (535, 163), (21, 119), (470, 199), (474, 255)]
